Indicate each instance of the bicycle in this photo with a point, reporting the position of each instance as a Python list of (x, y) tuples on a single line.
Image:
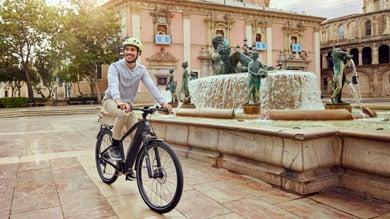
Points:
[(158, 170)]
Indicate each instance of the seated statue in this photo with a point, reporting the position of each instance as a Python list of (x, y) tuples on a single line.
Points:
[(224, 63), (340, 60)]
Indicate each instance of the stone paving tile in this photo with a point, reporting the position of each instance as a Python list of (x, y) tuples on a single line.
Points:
[(86, 203), (8, 174), (307, 208), (195, 204), (47, 166), (55, 212), (251, 207), (34, 190), (353, 203)]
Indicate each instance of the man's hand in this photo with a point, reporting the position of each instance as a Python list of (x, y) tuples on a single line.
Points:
[(168, 106), (123, 106)]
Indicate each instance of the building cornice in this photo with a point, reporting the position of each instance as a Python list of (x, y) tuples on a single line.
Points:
[(203, 8)]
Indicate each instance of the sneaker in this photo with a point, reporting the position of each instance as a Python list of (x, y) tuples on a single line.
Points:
[(131, 176), (115, 153)]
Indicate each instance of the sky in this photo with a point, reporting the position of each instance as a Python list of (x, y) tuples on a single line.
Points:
[(321, 8)]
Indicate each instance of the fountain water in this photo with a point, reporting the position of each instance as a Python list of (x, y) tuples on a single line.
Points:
[(284, 95), (355, 85), (279, 90)]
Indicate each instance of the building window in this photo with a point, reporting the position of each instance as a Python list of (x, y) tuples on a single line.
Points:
[(293, 42), (258, 37), (341, 32), (161, 29), (162, 80), (368, 28), (355, 53), (383, 54), (220, 32), (162, 25), (367, 56)]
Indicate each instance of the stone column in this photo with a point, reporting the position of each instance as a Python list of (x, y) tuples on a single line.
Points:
[(324, 60), (375, 54), (248, 33), (360, 49), (317, 54), (187, 38), (135, 23), (269, 44)]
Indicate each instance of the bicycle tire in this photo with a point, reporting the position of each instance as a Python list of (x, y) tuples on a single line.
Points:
[(163, 193), (108, 173)]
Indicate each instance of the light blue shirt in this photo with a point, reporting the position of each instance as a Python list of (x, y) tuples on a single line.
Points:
[(123, 82)]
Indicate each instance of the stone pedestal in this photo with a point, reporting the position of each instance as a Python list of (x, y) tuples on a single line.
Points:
[(174, 105), (251, 108), (346, 106)]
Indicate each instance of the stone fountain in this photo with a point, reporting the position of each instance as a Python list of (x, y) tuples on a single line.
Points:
[(282, 89), (301, 160), (285, 95)]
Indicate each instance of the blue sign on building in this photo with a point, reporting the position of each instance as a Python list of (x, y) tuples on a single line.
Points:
[(261, 46), (163, 39), (296, 47)]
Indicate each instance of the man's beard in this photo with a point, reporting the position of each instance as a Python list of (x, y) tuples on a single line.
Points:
[(131, 62)]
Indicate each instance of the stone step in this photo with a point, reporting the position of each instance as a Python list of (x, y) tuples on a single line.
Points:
[(45, 112)]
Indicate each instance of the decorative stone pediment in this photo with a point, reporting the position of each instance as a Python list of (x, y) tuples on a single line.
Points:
[(162, 58)]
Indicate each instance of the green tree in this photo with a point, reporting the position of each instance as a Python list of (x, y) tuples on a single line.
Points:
[(91, 39), (27, 26), (45, 63)]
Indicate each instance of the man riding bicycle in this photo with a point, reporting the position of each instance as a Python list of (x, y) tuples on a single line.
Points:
[(124, 77)]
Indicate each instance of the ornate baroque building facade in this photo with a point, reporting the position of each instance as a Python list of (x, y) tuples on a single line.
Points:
[(366, 36), (174, 31)]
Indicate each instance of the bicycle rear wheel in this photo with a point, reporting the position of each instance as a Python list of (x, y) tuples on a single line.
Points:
[(107, 172), (163, 189)]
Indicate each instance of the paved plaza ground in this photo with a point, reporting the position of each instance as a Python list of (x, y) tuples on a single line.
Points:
[(47, 170)]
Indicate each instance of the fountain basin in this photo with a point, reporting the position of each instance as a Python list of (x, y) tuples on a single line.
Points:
[(300, 160)]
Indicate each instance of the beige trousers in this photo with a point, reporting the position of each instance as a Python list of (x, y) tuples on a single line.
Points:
[(123, 120)]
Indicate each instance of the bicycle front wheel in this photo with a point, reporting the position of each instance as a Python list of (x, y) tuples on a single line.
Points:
[(159, 177)]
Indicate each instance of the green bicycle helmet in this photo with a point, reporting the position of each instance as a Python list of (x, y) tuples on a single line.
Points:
[(133, 42)]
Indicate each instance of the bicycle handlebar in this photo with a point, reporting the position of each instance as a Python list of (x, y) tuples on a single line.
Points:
[(148, 110)]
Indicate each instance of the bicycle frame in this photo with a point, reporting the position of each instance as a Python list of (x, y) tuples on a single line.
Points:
[(141, 128)]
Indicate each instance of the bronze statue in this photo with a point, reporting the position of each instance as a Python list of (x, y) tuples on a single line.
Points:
[(171, 86), (184, 86), (224, 63), (256, 71), (340, 60)]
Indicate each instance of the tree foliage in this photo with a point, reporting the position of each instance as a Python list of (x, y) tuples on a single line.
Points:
[(91, 39), (45, 43), (27, 27)]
